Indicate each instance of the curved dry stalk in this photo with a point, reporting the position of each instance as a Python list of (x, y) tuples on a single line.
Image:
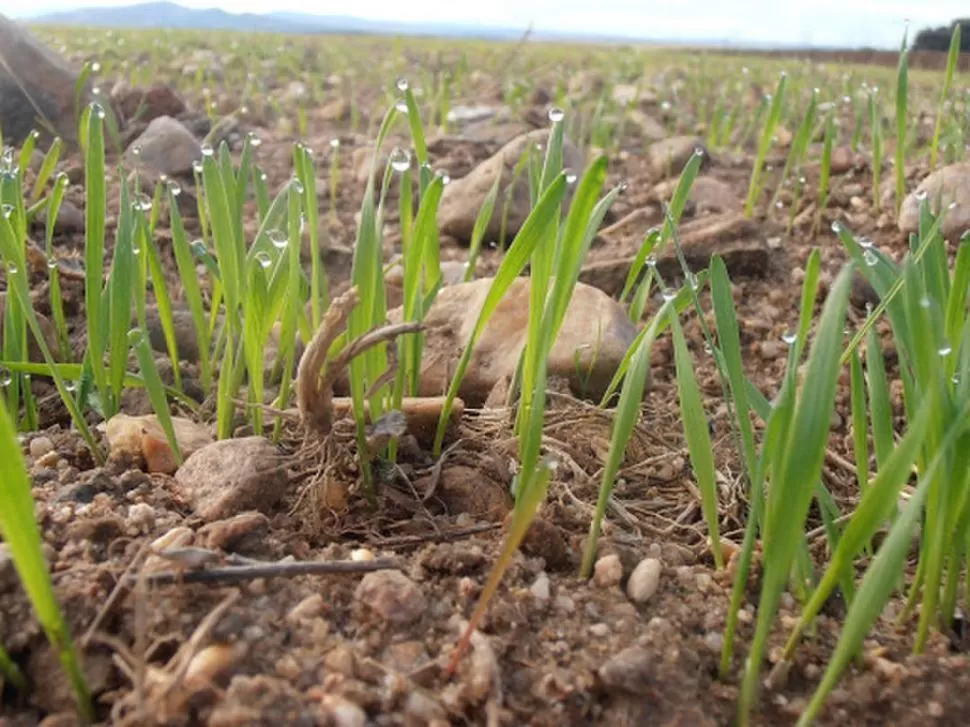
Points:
[(315, 376)]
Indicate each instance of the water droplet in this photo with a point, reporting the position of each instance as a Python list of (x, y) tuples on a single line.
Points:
[(197, 166), (135, 250), (570, 176), (623, 186), (668, 295), (924, 302), (142, 203), (699, 151), (952, 206), (71, 386), (789, 337), (692, 281), (445, 177), (254, 141), (278, 238), (51, 264), (870, 258), (95, 67), (779, 204), (198, 246), (402, 84), (836, 227), (401, 106), (556, 114), (175, 188), (98, 110), (865, 243), (207, 150), (400, 159), (6, 378), (12, 268), (263, 259), (652, 260), (334, 143), (920, 194), (35, 135), (945, 349), (665, 105), (6, 210), (297, 185)]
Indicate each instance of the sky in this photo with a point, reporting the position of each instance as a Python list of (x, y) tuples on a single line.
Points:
[(877, 23)]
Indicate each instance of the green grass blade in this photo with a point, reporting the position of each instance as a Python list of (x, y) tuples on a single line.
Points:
[(798, 468), (542, 215), (698, 436), (952, 58), (19, 530)]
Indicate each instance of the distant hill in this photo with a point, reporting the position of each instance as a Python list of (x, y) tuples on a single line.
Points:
[(173, 15)]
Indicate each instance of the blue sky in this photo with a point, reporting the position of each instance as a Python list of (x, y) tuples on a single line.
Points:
[(877, 23)]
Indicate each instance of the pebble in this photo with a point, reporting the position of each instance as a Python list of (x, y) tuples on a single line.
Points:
[(360, 555), (392, 596), (541, 587), (565, 604), (343, 712), (644, 580), (50, 460), (230, 476), (631, 671), (39, 446), (142, 516), (599, 630), (608, 571), (714, 640)]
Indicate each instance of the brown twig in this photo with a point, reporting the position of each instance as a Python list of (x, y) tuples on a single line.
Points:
[(234, 574), (443, 537)]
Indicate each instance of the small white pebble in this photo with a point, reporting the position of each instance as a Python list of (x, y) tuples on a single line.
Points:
[(360, 555), (704, 582), (644, 580), (599, 630), (714, 640), (142, 516), (565, 604), (541, 588), (39, 446), (608, 571)]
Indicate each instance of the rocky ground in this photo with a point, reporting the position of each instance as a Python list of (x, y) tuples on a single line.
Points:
[(138, 548)]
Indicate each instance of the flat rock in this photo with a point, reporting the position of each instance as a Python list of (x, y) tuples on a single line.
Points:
[(143, 436), (166, 147), (232, 476), (394, 597), (463, 198), (669, 156), (35, 81), (452, 317), (941, 189)]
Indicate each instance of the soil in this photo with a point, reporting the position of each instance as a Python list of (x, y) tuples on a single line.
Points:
[(372, 648)]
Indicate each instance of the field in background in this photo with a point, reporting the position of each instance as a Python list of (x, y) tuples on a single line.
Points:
[(720, 197)]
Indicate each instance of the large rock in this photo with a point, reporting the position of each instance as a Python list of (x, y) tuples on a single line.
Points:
[(707, 194), (232, 476), (36, 86), (165, 147), (941, 189), (595, 327), (463, 198)]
